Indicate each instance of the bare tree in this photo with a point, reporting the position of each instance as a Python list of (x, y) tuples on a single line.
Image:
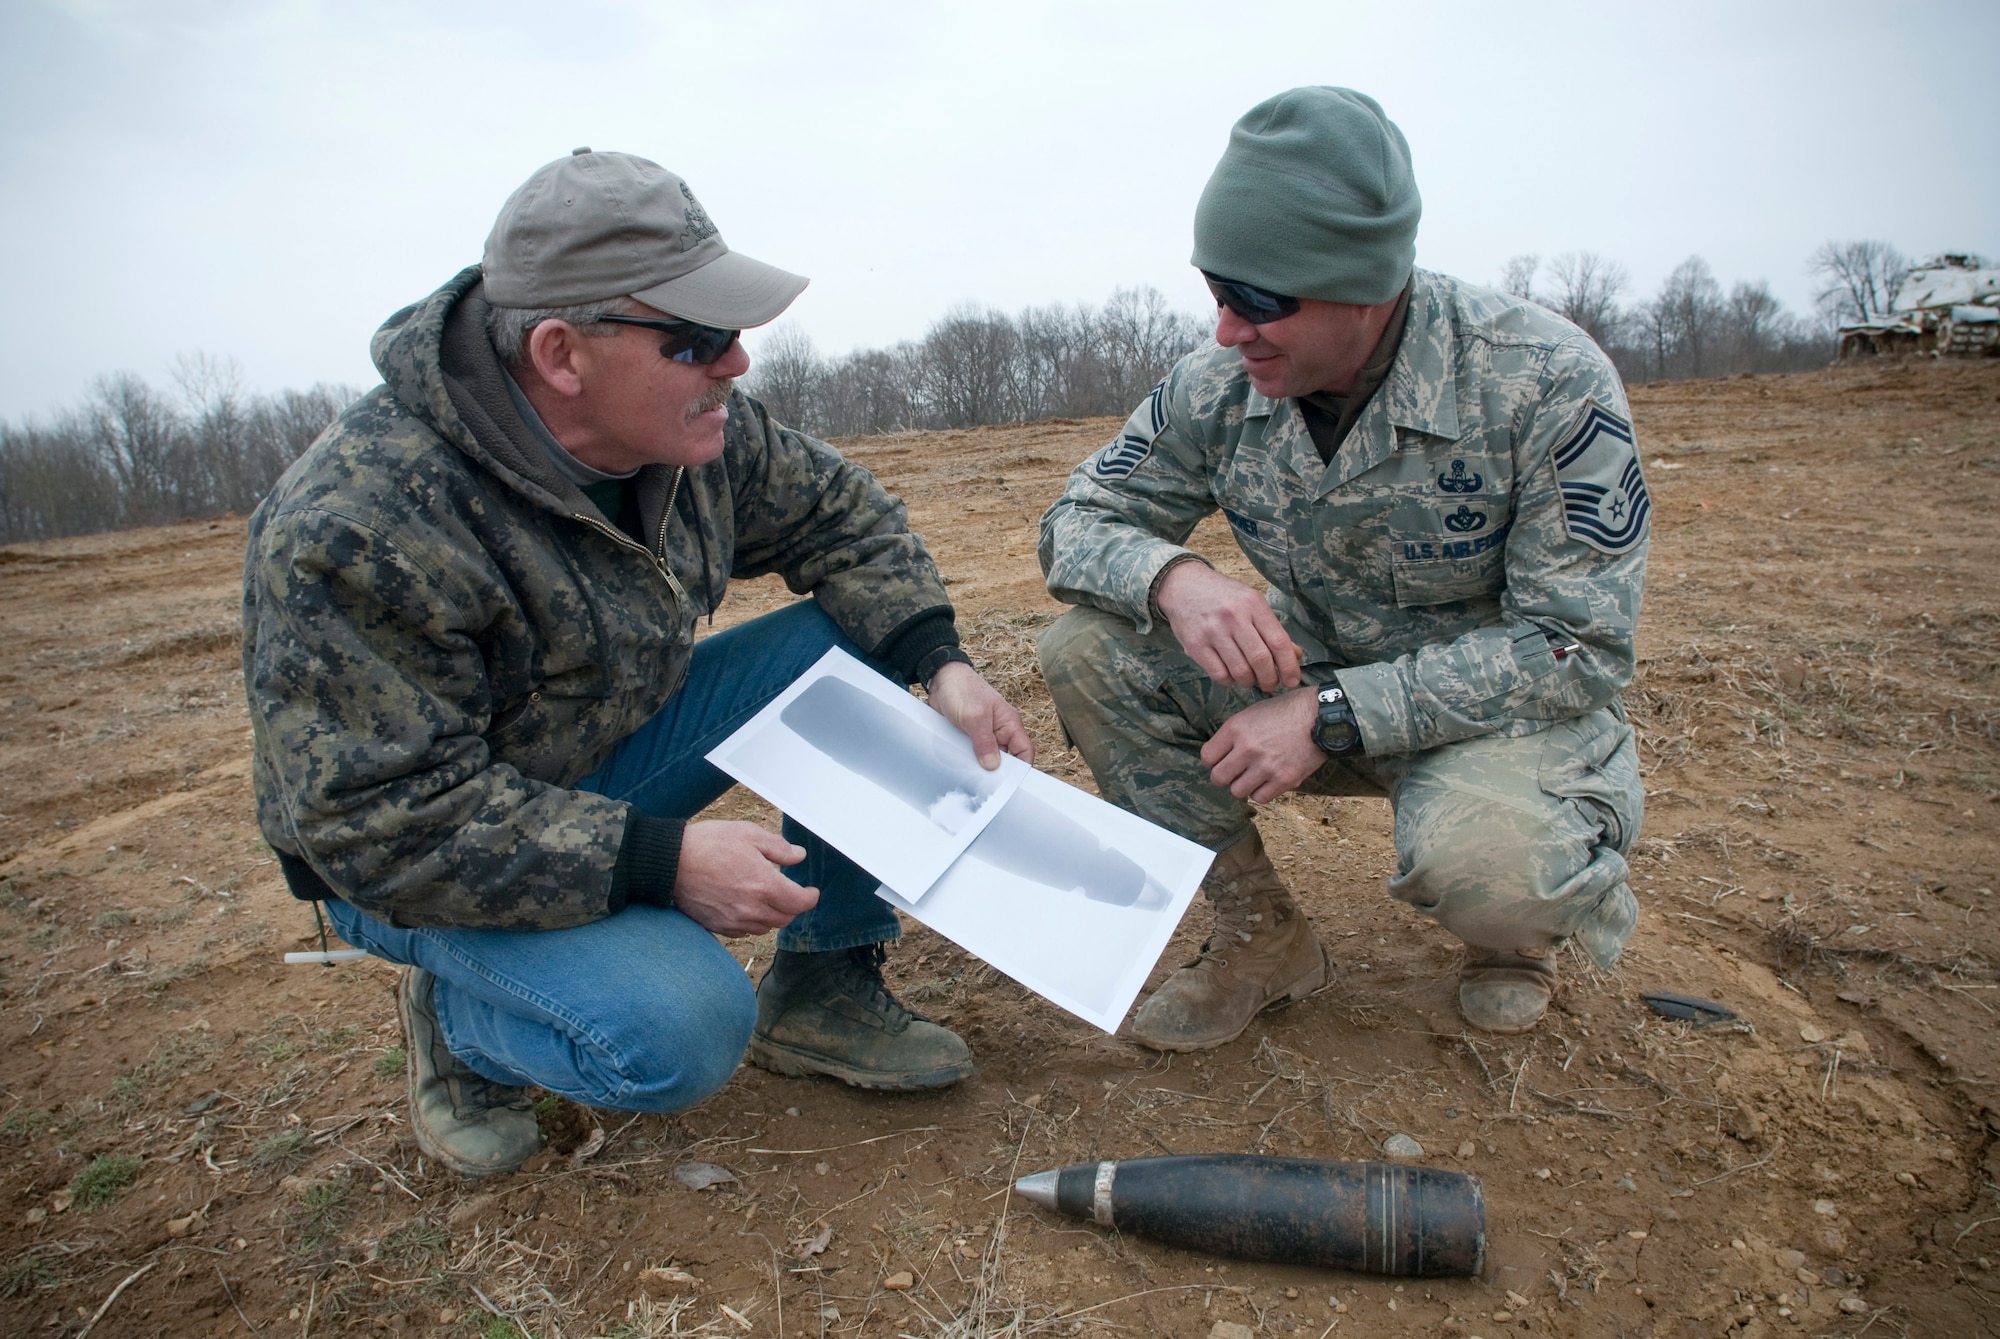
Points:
[(1517, 276), (1587, 288), (1691, 308), (1858, 280), (789, 376), (1141, 338), (967, 368)]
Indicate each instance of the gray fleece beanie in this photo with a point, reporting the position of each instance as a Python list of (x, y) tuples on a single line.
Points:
[(1313, 198)]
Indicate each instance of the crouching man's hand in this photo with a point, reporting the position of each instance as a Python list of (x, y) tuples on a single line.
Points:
[(1266, 749), (731, 879), (962, 696)]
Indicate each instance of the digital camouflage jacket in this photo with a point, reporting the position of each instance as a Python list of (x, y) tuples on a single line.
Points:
[(1471, 560), (442, 634)]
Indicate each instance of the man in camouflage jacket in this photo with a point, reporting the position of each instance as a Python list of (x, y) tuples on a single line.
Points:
[(480, 714), (1440, 486)]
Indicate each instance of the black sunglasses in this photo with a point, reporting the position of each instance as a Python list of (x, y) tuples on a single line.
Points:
[(1256, 305), (687, 341)]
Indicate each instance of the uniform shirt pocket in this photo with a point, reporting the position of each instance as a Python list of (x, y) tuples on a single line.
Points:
[(1461, 555)]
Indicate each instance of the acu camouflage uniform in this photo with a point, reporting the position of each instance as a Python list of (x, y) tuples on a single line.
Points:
[(442, 633), (1469, 565)]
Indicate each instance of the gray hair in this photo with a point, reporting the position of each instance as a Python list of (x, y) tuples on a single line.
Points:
[(508, 327)]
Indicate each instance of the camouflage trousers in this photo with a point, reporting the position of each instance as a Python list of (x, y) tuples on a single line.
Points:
[(1509, 843)]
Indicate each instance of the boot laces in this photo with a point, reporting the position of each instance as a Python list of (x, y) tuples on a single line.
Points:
[(858, 973)]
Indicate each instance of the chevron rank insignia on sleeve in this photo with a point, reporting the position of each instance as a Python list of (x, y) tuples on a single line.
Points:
[(1135, 443), (1603, 493)]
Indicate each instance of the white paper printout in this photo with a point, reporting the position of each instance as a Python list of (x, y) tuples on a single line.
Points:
[(1071, 896), (878, 775)]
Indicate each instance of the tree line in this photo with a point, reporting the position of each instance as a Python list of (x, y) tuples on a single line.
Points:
[(976, 365), (133, 454)]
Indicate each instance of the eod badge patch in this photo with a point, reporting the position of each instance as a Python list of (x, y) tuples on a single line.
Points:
[(1603, 493)]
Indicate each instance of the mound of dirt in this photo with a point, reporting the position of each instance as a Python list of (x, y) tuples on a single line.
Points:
[(204, 1141)]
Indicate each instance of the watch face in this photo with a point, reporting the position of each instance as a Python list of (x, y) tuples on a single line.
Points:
[(1338, 736)]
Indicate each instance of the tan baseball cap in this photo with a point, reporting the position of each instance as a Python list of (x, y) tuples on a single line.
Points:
[(603, 225)]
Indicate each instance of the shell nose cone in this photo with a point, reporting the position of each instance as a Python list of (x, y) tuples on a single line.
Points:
[(1039, 1187)]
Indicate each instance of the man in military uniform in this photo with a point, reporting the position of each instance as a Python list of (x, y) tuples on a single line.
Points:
[(480, 715), (1439, 484)]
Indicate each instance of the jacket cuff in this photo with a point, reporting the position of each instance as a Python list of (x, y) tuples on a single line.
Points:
[(1382, 708), (648, 861), (908, 646)]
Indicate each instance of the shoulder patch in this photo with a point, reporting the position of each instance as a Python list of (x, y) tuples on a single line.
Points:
[(1603, 493), (1125, 453)]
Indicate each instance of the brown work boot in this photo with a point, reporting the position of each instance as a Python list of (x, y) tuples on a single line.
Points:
[(1263, 952), (1506, 991)]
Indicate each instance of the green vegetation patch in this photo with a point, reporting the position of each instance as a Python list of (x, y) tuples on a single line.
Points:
[(26, 1122), (282, 1151), (107, 1175), (391, 1064)]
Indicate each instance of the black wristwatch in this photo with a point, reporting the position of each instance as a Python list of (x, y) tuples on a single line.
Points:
[(1336, 732)]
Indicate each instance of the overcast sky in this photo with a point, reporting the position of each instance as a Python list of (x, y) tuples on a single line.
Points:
[(267, 181)]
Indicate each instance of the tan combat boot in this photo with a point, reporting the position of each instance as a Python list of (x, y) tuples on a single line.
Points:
[(1263, 952), (1502, 991)]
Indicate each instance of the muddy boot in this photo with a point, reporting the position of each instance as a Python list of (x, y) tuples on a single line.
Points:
[(1263, 952), (1506, 992), (461, 1119), (831, 1013)]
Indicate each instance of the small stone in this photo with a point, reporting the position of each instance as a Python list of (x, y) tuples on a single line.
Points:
[(1812, 1033), (1291, 1294), (1402, 1146), (1467, 1151), (36, 1215), (1833, 1276), (900, 1282), (60, 1201), (1790, 1260), (1503, 1316), (1826, 1208), (791, 1111), (1833, 1241), (1543, 1173), (1229, 1329), (1637, 1234), (1853, 1306), (821, 1169), (829, 1313), (702, 1175), (1624, 1183), (448, 1315), (1907, 1179), (180, 1227), (1516, 1302), (668, 1276), (1806, 1276), (1736, 1243)]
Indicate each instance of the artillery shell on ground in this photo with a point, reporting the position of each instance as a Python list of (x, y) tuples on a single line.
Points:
[(1371, 1217)]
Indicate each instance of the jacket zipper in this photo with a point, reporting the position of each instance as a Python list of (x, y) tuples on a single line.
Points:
[(660, 556)]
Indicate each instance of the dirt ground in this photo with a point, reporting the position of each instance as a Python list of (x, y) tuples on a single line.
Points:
[(201, 1140)]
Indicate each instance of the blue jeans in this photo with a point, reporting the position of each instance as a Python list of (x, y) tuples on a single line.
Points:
[(645, 1010)]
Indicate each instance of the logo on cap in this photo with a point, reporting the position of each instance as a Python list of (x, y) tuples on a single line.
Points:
[(699, 229)]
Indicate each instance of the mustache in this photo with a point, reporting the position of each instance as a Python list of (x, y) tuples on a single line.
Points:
[(712, 398)]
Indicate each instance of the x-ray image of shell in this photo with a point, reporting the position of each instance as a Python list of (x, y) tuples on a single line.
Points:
[(1034, 840), (935, 773)]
